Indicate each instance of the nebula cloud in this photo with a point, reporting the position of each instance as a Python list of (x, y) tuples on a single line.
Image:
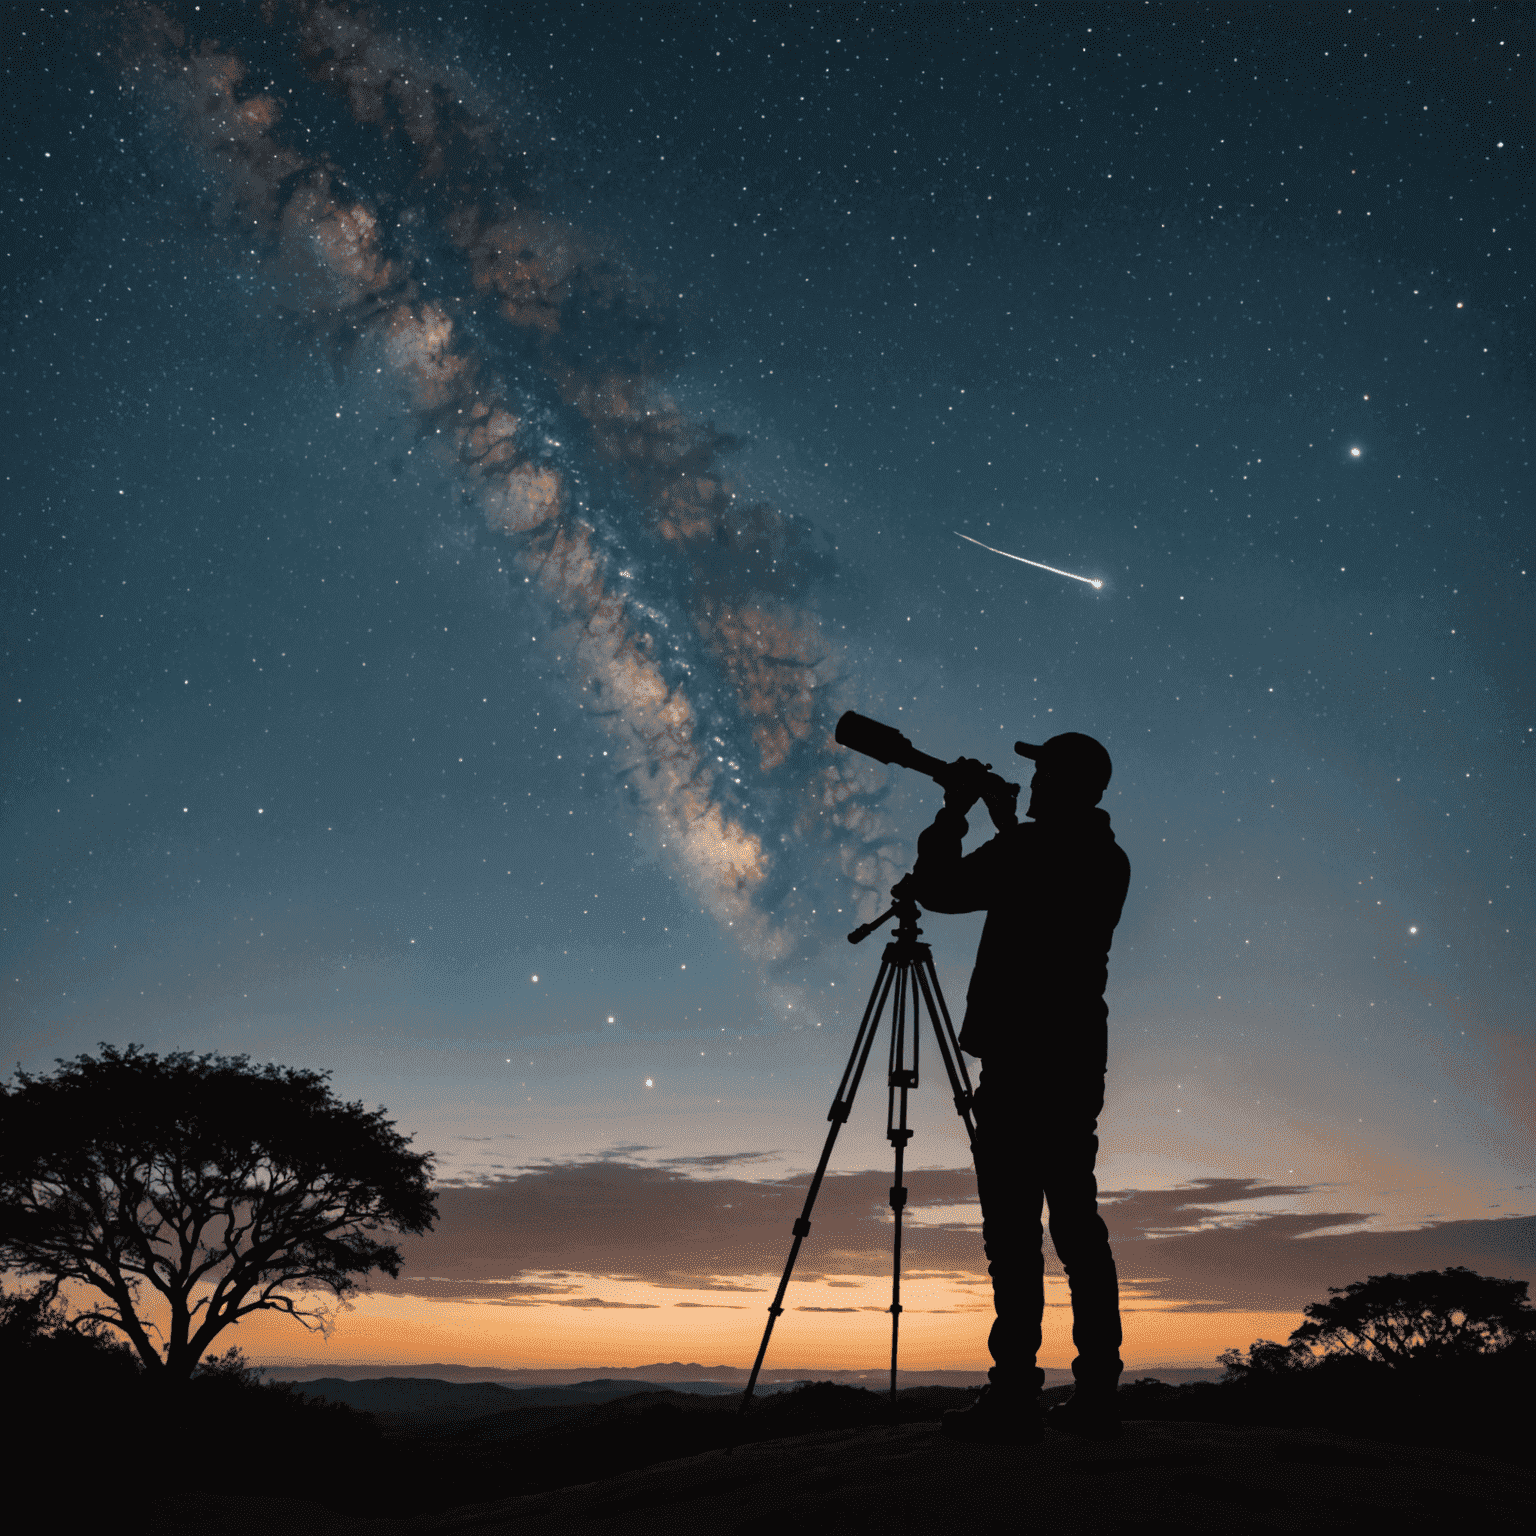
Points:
[(534, 360)]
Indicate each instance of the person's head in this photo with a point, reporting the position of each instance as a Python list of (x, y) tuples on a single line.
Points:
[(1072, 772)]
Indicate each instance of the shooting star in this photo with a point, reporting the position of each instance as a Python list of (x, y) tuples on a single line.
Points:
[(1086, 580)]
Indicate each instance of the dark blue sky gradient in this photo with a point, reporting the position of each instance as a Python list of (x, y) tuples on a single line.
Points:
[(294, 764)]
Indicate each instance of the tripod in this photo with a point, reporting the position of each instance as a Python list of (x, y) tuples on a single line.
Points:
[(906, 970)]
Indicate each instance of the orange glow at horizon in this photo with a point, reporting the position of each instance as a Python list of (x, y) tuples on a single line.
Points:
[(944, 1327)]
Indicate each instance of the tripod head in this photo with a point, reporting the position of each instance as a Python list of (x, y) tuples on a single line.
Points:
[(904, 909)]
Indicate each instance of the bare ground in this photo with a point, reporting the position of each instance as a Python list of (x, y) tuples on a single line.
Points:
[(1158, 1475)]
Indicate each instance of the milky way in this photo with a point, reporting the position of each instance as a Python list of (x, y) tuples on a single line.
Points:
[(533, 360)]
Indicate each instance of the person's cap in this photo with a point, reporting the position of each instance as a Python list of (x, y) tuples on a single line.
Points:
[(1071, 755)]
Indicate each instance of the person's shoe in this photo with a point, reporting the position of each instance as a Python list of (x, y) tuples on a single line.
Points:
[(995, 1418), (1090, 1414)]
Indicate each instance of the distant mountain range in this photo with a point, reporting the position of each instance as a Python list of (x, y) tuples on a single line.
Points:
[(672, 1373), (419, 1396), (698, 1377)]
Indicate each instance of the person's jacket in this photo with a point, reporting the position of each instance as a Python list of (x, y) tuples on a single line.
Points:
[(1052, 891)]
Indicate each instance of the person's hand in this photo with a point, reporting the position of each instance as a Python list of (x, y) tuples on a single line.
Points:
[(1003, 806), (964, 783)]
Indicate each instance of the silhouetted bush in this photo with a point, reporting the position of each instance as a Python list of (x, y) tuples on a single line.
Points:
[(1477, 1404), (1438, 1357), (38, 1340), (225, 1430)]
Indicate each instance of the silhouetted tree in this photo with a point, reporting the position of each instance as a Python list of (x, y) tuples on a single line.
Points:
[(222, 1187), (1264, 1358), (1432, 1314)]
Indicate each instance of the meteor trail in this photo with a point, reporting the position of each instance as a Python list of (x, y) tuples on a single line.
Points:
[(1087, 580)]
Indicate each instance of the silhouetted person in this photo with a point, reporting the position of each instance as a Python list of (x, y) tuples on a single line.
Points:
[(1052, 890)]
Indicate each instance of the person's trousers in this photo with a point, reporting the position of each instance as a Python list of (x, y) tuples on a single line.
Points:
[(1035, 1147)]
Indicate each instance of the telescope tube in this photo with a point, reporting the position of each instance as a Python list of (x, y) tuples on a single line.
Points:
[(886, 744)]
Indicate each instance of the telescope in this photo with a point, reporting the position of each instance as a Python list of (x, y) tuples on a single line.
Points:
[(886, 744)]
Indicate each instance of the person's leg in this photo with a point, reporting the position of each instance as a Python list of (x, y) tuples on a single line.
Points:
[(1008, 1410), (1082, 1244), (1012, 1195), (1075, 1065)]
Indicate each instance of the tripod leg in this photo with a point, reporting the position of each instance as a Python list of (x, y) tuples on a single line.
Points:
[(949, 1045), (901, 1078), (838, 1115), (898, 1204)]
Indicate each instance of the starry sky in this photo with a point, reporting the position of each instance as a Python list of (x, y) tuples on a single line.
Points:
[(462, 459)]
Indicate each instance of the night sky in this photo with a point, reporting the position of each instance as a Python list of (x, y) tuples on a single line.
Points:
[(462, 460)]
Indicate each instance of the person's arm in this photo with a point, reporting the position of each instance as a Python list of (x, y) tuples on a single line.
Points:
[(943, 879)]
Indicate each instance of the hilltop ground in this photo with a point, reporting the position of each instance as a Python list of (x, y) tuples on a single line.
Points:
[(908, 1478)]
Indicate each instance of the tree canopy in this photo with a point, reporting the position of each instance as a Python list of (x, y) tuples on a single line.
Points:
[(1429, 1315), (210, 1185), (1395, 1320)]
